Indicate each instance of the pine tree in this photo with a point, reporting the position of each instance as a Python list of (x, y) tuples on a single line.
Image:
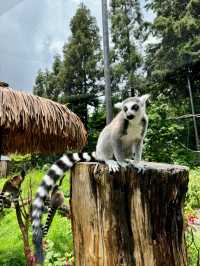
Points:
[(39, 87), (77, 79), (47, 83), (126, 29), (175, 58), (81, 70), (177, 27)]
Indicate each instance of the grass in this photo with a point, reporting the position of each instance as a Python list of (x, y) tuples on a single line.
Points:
[(11, 245), (193, 195), (192, 205)]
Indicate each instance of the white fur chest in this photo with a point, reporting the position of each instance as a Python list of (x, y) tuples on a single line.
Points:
[(134, 132)]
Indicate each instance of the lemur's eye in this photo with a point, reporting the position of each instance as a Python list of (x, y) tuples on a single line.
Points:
[(125, 108), (135, 107)]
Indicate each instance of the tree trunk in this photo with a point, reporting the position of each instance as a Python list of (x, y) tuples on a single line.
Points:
[(30, 260), (128, 218)]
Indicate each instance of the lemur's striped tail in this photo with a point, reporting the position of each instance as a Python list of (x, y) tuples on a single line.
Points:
[(56, 171), (56, 201), (2, 200), (51, 214), (6, 200)]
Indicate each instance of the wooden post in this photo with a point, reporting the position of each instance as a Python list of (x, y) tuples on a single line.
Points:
[(108, 93), (193, 112), (129, 218)]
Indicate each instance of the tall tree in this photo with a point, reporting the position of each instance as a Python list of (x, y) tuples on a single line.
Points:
[(175, 58), (77, 78), (177, 29), (126, 24), (47, 83), (81, 72), (39, 86)]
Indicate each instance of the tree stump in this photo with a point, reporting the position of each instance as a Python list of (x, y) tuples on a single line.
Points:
[(128, 218)]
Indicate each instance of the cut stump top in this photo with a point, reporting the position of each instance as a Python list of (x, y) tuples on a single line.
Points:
[(150, 166)]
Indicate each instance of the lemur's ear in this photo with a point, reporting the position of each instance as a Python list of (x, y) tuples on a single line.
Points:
[(144, 98), (118, 105)]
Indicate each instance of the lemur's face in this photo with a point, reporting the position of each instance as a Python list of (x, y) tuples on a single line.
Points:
[(134, 107), (131, 109)]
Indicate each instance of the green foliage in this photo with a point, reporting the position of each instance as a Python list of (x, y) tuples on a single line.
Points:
[(47, 83), (192, 205), (19, 162), (97, 121), (53, 258), (170, 63), (11, 245), (81, 72), (193, 195), (20, 158), (177, 30), (193, 244), (38, 161), (11, 249), (126, 23), (162, 140), (28, 162)]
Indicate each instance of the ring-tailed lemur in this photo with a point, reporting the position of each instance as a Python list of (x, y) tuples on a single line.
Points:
[(12, 188), (57, 199), (118, 144)]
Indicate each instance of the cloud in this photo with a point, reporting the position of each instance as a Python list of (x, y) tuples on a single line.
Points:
[(7, 5), (32, 32)]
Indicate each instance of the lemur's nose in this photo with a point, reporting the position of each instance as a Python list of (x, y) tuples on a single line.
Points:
[(130, 117)]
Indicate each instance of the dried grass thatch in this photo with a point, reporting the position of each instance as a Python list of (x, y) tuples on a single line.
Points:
[(31, 124)]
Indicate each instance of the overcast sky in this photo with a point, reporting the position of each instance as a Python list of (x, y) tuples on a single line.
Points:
[(32, 32)]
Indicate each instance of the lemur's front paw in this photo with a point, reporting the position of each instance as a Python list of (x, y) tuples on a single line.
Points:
[(113, 166), (124, 164), (136, 164), (140, 168), (130, 161)]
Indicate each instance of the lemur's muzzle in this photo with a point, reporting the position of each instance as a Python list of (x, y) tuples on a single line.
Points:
[(130, 117)]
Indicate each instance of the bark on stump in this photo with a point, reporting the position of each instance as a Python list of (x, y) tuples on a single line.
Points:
[(128, 218)]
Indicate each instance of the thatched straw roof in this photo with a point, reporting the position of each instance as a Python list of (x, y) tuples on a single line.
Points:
[(31, 124)]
